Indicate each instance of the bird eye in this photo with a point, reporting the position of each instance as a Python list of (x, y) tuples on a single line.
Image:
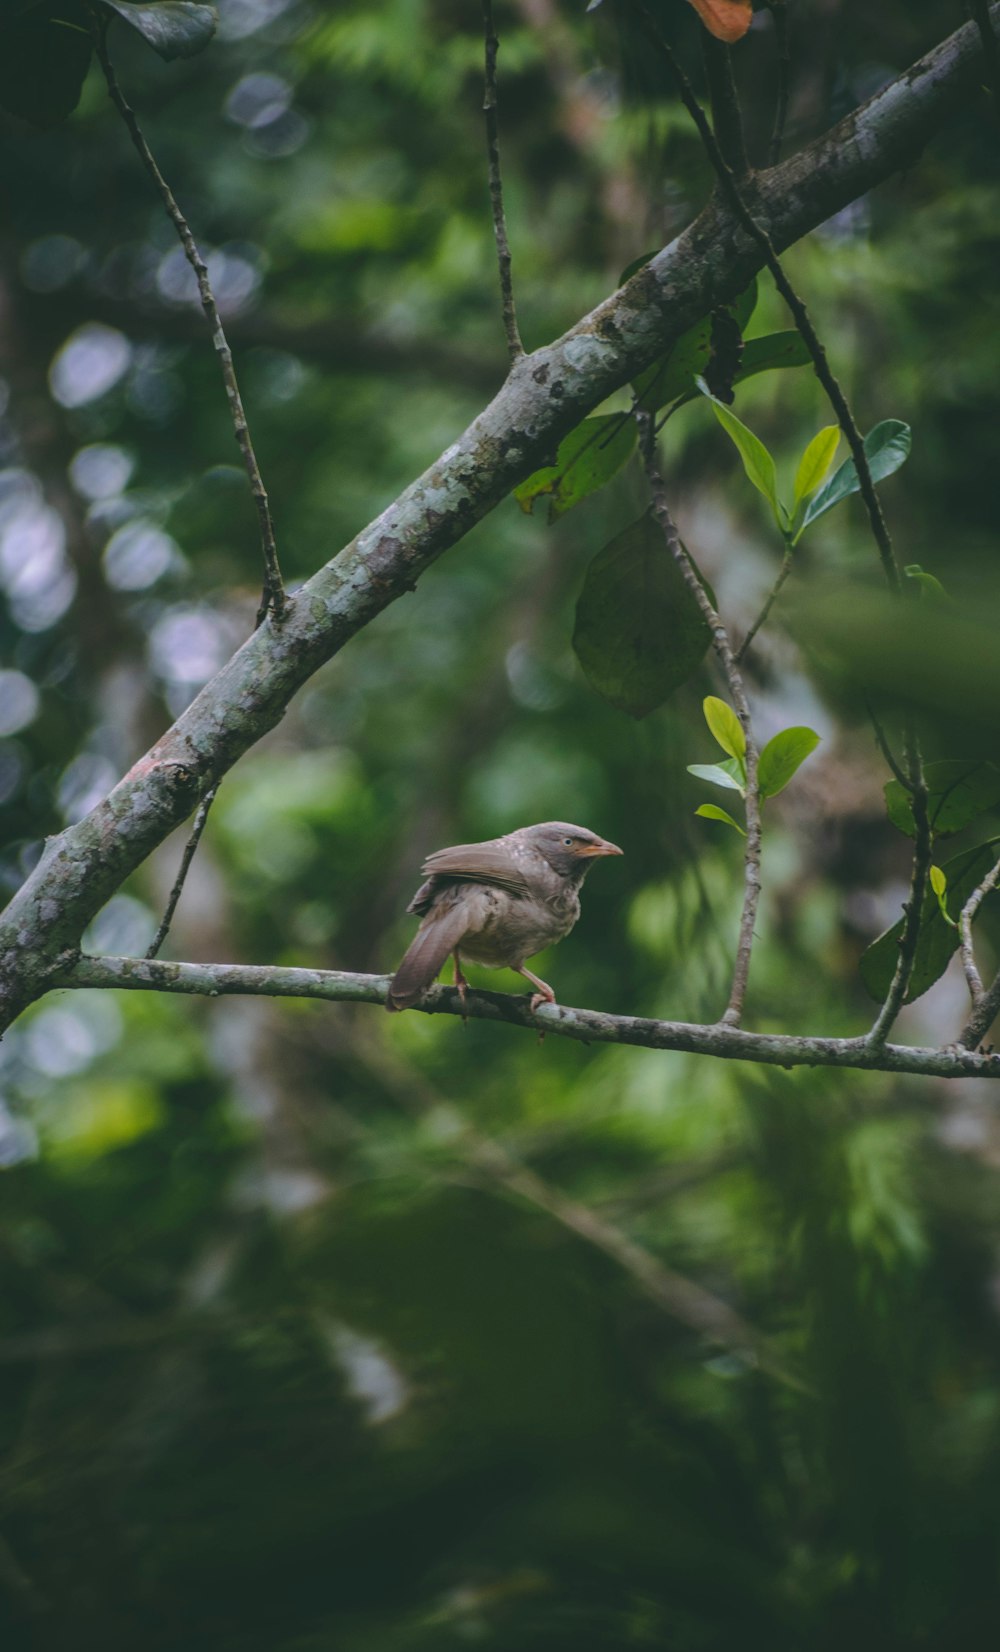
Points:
[(569, 842)]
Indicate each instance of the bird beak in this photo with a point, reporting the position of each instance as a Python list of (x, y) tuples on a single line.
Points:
[(601, 847)]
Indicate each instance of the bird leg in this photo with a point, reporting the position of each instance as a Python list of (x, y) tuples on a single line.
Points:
[(461, 983), (544, 995)]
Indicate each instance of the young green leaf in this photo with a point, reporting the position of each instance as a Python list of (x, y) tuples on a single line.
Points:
[(725, 726), (639, 633), (757, 461), (711, 811), (815, 462), (587, 459), (886, 448), (174, 28), (720, 774), (938, 939), (928, 585), (782, 756), (957, 793), (939, 885)]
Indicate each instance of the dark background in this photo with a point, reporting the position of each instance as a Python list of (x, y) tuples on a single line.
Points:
[(289, 1357)]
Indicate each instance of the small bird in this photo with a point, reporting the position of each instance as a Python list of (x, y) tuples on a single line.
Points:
[(497, 903)]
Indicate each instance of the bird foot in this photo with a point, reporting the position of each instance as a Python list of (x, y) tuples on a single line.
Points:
[(540, 998)]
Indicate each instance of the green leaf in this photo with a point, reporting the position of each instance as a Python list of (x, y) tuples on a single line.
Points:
[(773, 350), (587, 459), (174, 28), (711, 811), (815, 462), (720, 774), (673, 376), (886, 448), (757, 461), (957, 793), (930, 587), (44, 58), (639, 632), (939, 886), (782, 756), (725, 726), (938, 938), (760, 355)]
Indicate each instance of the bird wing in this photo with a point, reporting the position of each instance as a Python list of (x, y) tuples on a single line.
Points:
[(490, 862), (452, 917)]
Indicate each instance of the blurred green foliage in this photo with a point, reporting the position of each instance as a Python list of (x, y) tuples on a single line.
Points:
[(287, 1359)]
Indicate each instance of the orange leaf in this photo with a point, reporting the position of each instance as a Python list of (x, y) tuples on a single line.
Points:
[(727, 19)]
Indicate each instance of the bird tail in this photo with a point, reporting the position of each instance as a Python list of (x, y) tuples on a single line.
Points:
[(438, 935)]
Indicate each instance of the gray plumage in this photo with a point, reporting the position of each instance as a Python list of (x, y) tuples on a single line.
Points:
[(497, 903)]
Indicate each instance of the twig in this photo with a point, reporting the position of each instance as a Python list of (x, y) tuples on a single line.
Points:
[(884, 747), (783, 573), (975, 983), (188, 856), (515, 348), (913, 908), (727, 659), (779, 13), (728, 1043), (981, 14), (727, 117), (273, 596)]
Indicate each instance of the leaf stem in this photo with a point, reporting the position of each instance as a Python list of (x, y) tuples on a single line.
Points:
[(772, 596)]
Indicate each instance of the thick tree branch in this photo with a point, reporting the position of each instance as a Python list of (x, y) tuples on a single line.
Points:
[(546, 394), (583, 1026)]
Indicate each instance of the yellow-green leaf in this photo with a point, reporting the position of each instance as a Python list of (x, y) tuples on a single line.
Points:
[(711, 811), (815, 462), (725, 725)]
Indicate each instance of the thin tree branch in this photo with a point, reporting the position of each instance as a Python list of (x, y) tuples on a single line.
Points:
[(800, 314), (772, 596), (982, 1017), (727, 659), (884, 747), (880, 531), (728, 1043), (190, 848), (980, 10), (779, 12), (273, 598), (543, 398), (727, 117), (977, 991), (913, 907), (515, 348)]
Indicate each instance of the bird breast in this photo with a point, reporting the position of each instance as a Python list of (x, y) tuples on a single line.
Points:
[(515, 927)]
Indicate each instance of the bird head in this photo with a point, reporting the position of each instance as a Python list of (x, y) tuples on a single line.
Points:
[(570, 850)]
